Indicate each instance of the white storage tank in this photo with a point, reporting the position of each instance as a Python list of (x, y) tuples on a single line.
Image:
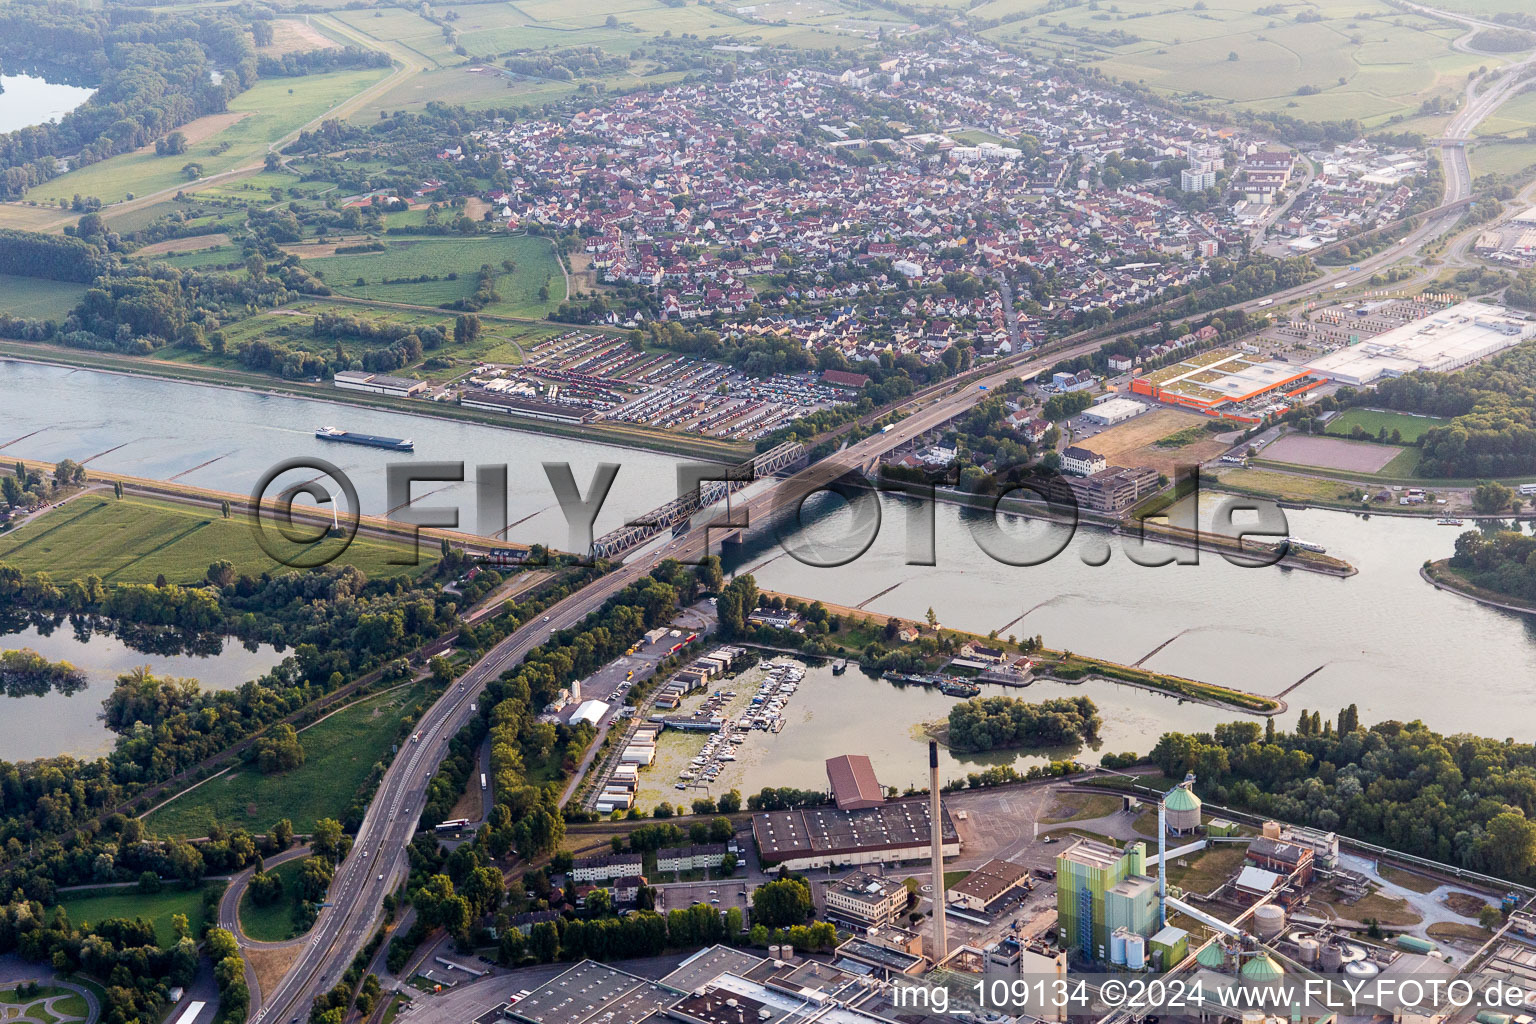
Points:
[(1308, 948), (1117, 947), (1268, 920), (1361, 969), (1135, 952)]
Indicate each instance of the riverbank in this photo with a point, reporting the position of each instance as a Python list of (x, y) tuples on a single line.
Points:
[(377, 527), (1198, 540), (1441, 576), (636, 438), (1063, 666)]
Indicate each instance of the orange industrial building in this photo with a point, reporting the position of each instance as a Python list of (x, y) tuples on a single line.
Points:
[(1216, 382)]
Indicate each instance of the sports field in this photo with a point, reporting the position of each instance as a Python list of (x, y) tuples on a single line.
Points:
[(339, 752), (455, 263), (135, 540), (1331, 453), (37, 297), (1373, 421), (263, 114), (103, 904)]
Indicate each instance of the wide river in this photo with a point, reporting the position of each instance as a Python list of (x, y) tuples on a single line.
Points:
[(226, 439), (1382, 639)]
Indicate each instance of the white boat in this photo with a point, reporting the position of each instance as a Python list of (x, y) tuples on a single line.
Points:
[(738, 739), (727, 756)]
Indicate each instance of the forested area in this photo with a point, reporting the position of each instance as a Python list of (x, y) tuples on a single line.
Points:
[(313, 62), (1492, 405), (1499, 561), (55, 257), (153, 72), (1459, 799), (989, 723)]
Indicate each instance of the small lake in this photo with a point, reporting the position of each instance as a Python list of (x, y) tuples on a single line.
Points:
[(56, 723), (26, 100)]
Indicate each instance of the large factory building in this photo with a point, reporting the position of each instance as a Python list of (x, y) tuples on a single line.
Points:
[(818, 836), (1443, 341)]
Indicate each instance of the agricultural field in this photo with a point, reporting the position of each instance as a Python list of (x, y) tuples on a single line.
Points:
[(339, 752), (536, 267), (158, 908), (295, 35), (1373, 421), (1364, 60), (1509, 160), (1514, 117), (38, 297), (263, 114), (405, 28), (135, 540)]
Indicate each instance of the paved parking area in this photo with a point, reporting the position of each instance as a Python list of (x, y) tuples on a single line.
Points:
[(731, 892)]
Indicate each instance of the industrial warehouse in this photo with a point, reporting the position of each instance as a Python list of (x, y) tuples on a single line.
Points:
[(1222, 380), (815, 837), (1443, 341)]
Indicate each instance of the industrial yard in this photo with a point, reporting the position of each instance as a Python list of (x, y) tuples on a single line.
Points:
[(580, 377)]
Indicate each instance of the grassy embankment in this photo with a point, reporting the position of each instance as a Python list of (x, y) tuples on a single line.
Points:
[(339, 752), (135, 540)]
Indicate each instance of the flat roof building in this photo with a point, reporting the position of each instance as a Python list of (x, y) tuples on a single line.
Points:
[(866, 899), (815, 837), (1116, 410), (854, 785), (378, 383), (1208, 381), (1443, 341), (985, 887), (591, 992)]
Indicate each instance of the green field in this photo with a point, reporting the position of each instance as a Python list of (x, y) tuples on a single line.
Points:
[(1372, 421), (135, 540), (534, 257), (264, 113), (274, 923), (37, 297), (339, 752), (1364, 60), (158, 908)]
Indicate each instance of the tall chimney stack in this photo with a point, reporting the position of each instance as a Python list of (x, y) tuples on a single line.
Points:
[(936, 821)]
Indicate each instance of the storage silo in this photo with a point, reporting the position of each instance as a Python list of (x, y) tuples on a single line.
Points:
[(1361, 969), (1135, 952), (1117, 946), (1182, 810), (1308, 950), (1268, 920), (1333, 957)]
